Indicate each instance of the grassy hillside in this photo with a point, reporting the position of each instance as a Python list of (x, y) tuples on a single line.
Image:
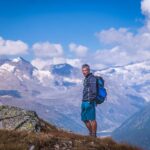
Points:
[(52, 138)]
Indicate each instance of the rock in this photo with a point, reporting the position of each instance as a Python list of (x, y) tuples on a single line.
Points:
[(56, 147), (32, 147), (14, 118)]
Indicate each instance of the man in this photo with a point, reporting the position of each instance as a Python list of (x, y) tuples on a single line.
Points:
[(88, 111)]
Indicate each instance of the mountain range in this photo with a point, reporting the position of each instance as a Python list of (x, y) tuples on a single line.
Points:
[(55, 92), (135, 130)]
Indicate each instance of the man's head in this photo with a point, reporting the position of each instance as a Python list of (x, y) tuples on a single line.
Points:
[(85, 69)]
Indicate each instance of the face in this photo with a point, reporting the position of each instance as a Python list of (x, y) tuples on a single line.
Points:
[(85, 71)]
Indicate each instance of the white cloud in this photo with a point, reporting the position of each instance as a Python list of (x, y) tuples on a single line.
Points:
[(145, 6), (116, 56), (125, 39), (114, 36), (47, 54), (122, 46), (74, 62), (79, 50), (40, 63), (59, 60), (47, 50), (9, 47)]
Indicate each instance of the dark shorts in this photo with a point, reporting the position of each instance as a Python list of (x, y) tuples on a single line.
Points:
[(88, 111)]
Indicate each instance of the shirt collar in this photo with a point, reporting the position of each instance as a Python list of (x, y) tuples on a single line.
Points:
[(88, 74)]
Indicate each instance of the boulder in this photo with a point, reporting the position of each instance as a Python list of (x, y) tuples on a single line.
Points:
[(14, 118)]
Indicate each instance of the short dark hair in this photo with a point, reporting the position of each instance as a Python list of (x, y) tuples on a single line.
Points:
[(86, 66)]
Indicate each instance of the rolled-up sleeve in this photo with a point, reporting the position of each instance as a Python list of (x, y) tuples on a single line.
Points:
[(92, 88)]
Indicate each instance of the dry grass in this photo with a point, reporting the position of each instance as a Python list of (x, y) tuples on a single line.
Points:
[(51, 136)]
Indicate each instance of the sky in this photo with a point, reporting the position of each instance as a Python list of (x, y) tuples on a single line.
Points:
[(75, 31)]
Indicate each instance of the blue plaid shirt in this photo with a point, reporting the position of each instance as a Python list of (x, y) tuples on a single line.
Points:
[(89, 90)]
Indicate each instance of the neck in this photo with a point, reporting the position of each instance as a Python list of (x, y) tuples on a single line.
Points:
[(88, 74)]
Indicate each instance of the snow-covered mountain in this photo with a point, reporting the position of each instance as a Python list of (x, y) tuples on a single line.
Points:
[(56, 91)]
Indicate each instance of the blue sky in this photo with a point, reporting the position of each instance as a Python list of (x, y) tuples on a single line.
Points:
[(66, 21)]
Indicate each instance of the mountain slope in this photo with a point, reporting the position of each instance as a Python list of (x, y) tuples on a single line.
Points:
[(47, 137), (135, 130)]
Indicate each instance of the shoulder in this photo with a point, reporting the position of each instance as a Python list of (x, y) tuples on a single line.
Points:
[(92, 78)]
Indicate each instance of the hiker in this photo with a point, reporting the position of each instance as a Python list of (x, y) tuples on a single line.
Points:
[(88, 110)]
